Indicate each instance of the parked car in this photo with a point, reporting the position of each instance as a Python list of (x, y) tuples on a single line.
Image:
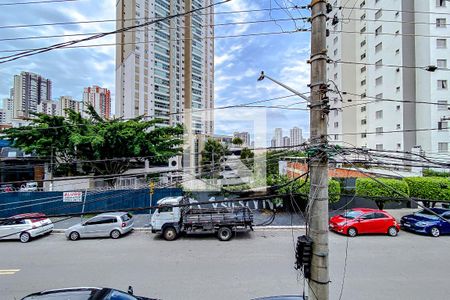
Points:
[(113, 224), (85, 293), (364, 221), (29, 187), (25, 226), (426, 222), (6, 188)]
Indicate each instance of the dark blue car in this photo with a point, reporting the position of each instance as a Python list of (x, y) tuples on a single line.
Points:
[(426, 222)]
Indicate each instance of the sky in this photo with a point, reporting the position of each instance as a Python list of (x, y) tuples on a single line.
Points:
[(238, 60)]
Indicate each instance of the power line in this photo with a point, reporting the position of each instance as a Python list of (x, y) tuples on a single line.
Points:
[(36, 2), (392, 10), (389, 65), (13, 56), (143, 30), (135, 19), (101, 35)]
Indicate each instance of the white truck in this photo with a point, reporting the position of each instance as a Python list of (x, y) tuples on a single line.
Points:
[(172, 220)]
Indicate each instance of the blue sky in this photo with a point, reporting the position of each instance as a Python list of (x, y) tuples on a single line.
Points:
[(238, 61)]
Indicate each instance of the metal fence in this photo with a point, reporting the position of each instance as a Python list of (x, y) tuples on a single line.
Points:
[(52, 202)]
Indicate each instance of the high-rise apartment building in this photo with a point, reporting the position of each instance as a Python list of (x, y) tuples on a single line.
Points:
[(48, 107), (379, 59), (7, 111), (286, 141), (295, 136), (245, 137), (29, 90), (99, 98), (278, 137), (67, 102), (166, 70)]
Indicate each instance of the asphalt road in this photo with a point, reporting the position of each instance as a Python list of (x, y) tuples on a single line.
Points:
[(252, 265)]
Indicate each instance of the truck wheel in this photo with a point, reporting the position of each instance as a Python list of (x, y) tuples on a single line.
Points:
[(224, 234), (170, 234)]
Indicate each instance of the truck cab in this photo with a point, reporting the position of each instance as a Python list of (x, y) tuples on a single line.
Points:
[(167, 216)]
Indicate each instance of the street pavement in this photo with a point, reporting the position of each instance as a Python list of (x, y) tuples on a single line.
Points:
[(260, 217), (251, 265)]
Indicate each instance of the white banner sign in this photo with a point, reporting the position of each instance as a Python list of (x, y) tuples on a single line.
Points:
[(73, 197)]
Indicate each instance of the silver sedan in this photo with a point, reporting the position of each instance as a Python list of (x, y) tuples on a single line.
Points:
[(113, 225)]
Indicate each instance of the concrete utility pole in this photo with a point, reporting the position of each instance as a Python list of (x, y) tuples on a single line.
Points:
[(318, 194)]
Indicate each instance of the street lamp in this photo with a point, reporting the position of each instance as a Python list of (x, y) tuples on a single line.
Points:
[(263, 76)]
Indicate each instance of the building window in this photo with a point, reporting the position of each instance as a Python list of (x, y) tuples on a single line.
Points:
[(379, 30), (399, 146), (440, 3), (442, 147), (363, 56), (443, 125), (362, 4), (397, 14), (363, 69), (363, 135), (335, 40), (441, 43), (379, 47), (363, 95), (378, 64), (379, 80), (379, 114), (363, 82), (336, 124), (397, 32), (363, 122), (363, 108), (442, 84), (441, 23), (335, 52), (363, 29), (398, 126), (363, 43), (379, 130), (379, 147), (442, 63), (397, 51), (397, 89), (398, 107), (336, 137), (442, 105), (336, 113), (378, 14), (363, 17)]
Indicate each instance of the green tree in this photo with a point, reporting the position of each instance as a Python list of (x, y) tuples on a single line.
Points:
[(213, 155), (247, 156), (237, 141), (96, 145)]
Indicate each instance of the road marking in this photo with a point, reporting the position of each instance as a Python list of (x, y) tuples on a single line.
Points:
[(9, 271)]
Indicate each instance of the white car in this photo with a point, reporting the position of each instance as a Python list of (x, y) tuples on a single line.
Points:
[(29, 187), (25, 226)]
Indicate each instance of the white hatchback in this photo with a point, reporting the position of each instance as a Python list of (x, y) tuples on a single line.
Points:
[(25, 226)]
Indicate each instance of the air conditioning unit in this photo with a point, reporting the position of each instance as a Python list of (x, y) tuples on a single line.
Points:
[(175, 162)]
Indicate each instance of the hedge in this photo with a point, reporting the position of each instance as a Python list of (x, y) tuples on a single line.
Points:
[(381, 188), (429, 188), (334, 189)]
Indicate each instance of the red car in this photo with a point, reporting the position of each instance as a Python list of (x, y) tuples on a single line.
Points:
[(364, 220)]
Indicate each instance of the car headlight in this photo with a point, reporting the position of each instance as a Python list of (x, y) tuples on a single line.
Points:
[(342, 223)]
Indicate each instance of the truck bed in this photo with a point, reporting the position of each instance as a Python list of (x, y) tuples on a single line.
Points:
[(238, 216)]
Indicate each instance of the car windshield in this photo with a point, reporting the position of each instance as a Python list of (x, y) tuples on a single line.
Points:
[(427, 214), (352, 214)]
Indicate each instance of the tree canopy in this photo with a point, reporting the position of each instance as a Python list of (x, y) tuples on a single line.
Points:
[(213, 155), (96, 145)]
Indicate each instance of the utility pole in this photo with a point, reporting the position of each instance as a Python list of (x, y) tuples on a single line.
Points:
[(318, 194)]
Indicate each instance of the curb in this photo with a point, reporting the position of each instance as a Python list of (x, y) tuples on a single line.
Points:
[(143, 229)]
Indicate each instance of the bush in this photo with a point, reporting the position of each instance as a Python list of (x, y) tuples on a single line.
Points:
[(431, 173), (429, 188), (385, 188)]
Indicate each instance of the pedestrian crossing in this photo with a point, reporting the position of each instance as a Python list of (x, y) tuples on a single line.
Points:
[(8, 271)]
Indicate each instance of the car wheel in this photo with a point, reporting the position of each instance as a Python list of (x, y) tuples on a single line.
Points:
[(25, 237), (170, 233), (115, 234), (435, 231), (352, 232), (392, 231), (224, 234), (73, 236)]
